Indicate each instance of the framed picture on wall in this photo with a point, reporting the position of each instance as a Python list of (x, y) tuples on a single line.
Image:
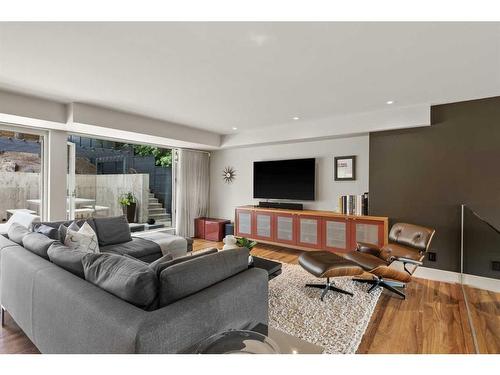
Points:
[(345, 168)]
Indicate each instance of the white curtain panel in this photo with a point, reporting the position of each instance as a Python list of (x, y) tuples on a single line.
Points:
[(192, 193)]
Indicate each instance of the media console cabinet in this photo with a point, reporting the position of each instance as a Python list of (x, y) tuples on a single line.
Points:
[(309, 229)]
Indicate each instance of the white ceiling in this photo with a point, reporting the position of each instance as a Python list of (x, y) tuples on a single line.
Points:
[(216, 76)]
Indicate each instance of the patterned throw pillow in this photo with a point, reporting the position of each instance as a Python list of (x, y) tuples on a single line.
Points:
[(85, 239)]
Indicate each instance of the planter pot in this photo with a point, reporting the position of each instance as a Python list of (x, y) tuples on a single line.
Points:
[(129, 212)]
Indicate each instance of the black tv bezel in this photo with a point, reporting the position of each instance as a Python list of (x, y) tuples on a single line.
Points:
[(281, 198)]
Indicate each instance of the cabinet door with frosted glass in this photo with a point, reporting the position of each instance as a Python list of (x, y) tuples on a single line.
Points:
[(367, 231), (336, 234), (285, 228), (263, 227), (244, 223), (309, 231)]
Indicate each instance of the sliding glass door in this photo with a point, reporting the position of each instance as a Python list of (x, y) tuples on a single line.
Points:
[(21, 172), (108, 178)]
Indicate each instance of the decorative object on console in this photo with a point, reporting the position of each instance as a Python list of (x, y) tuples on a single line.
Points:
[(151, 221), (129, 205), (353, 204), (229, 242), (345, 168), (228, 174)]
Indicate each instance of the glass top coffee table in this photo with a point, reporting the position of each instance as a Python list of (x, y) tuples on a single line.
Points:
[(261, 339)]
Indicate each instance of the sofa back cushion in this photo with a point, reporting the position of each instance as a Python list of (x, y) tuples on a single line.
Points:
[(112, 230), (186, 278), (126, 278), (66, 258), (16, 233), (37, 243)]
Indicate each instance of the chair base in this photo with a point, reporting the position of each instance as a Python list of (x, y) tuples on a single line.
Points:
[(378, 282), (328, 286)]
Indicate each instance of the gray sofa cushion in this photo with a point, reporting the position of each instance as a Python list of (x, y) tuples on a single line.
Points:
[(38, 244), (138, 248), (66, 258), (16, 233), (157, 265), (185, 278), (124, 277), (112, 230), (162, 265), (48, 231)]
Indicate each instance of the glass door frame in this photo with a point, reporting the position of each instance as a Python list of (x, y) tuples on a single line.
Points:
[(44, 152)]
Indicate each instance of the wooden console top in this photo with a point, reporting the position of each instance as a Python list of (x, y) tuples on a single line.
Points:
[(314, 213)]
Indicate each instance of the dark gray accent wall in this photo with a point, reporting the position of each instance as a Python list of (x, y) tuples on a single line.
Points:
[(422, 175)]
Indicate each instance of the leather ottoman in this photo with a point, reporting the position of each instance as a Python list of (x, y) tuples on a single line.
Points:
[(328, 265)]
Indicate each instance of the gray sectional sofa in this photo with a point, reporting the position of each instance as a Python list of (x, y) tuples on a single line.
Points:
[(61, 312)]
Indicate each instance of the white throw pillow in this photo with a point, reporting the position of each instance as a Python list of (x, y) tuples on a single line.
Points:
[(84, 240)]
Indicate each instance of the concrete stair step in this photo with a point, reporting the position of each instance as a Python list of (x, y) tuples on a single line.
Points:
[(153, 200), (154, 205), (157, 210), (151, 195), (158, 216)]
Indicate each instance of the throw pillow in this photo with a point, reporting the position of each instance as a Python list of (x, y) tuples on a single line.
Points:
[(126, 278), (84, 240), (50, 232), (16, 233), (63, 230)]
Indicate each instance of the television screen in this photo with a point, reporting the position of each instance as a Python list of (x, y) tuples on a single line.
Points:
[(284, 179)]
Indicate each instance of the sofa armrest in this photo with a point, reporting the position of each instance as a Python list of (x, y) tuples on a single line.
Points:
[(239, 302)]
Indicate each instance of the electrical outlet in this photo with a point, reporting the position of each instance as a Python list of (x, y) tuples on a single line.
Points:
[(495, 265), (431, 257)]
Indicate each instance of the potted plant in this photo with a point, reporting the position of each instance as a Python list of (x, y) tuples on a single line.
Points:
[(129, 205), (245, 242)]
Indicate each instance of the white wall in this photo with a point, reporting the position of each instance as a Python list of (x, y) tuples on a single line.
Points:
[(225, 197)]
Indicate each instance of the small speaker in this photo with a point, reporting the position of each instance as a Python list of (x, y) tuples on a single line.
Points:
[(283, 205)]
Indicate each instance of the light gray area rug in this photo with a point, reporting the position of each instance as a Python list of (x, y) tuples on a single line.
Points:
[(337, 324)]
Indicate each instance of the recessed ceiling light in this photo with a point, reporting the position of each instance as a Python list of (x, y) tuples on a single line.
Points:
[(235, 128), (390, 102), (295, 118)]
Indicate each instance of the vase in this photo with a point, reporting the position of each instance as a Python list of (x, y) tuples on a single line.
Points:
[(129, 212)]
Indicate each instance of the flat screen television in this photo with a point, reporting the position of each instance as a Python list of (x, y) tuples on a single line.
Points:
[(284, 179)]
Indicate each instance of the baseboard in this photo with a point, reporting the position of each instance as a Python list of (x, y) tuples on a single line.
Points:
[(454, 277)]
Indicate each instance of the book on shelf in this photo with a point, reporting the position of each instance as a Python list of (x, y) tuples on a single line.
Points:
[(353, 204)]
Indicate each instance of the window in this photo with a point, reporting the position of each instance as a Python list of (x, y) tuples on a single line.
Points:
[(114, 178)]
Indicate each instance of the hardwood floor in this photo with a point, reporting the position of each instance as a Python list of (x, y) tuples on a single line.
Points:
[(432, 319)]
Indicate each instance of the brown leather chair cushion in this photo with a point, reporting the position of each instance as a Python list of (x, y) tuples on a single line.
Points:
[(366, 261), (399, 251), (377, 266), (326, 264), (411, 235)]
